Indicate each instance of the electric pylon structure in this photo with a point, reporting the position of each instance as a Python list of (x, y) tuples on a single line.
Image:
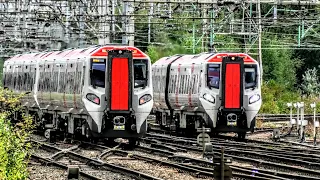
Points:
[(33, 25)]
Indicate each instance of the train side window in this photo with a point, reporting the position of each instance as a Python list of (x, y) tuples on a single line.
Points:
[(181, 84), (250, 76), (189, 85), (158, 85), (98, 72), (171, 83), (62, 81), (194, 84), (186, 83), (213, 76), (154, 85), (176, 80)]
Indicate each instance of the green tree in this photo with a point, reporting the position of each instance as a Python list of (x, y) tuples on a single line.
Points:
[(279, 64), (310, 84)]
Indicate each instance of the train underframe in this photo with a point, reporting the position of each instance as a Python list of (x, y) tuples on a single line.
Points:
[(70, 126), (186, 123)]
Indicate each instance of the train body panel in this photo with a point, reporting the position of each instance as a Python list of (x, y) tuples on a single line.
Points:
[(160, 80), (71, 87), (210, 88)]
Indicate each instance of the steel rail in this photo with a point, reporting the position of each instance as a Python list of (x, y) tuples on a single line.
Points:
[(175, 142), (89, 161), (60, 165), (239, 169)]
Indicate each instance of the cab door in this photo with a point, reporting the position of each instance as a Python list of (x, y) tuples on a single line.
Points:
[(232, 83), (120, 79)]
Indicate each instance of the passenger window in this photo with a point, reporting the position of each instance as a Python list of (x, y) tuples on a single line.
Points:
[(213, 76), (98, 72)]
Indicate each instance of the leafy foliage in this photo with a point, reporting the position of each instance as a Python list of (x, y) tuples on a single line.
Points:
[(279, 64), (14, 148), (310, 84), (275, 96)]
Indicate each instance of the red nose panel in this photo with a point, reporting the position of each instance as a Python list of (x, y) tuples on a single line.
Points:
[(119, 84), (232, 89)]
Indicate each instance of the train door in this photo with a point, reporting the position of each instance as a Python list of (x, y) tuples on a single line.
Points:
[(120, 67), (232, 85)]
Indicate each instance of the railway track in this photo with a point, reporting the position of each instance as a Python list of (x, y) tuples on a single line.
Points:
[(238, 172), (153, 127), (160, 153), (94, 155), (195, 170), (90, 168), (281, 162)]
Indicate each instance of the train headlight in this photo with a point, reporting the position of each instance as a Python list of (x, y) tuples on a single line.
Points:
[(209, 98), (93, 98), (254, 98), (144, 99)]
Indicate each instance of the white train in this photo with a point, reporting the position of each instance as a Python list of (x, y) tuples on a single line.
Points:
[(98, 92), (221, 90)]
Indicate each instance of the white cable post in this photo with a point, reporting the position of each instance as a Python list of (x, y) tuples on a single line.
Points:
[(296, 105), (302, 122), (290, 106), (290, 120), (313, 105)]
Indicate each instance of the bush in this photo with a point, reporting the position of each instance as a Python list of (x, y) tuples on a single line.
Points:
[(276, 96), (14, 148)]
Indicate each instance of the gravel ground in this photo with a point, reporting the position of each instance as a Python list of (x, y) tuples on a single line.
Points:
[(62, 145), (42, 153), (103, 174), (88, 153), (68, 161), (97, 172), (149, 155), (38, 137), (154, 170), (46, 172), (260, 136), (199, 156), (190, 154)]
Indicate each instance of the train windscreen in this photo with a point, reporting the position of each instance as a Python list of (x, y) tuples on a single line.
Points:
[(250, 76), (213, 76), (140, 73), (98, 72)]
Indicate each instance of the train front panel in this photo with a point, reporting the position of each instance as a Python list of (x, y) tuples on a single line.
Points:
[(121, 92)]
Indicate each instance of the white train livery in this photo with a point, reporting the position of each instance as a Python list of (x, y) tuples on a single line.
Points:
[(220, 90), (98, 92)]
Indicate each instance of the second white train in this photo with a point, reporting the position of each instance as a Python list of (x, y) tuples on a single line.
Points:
[(221, 90)]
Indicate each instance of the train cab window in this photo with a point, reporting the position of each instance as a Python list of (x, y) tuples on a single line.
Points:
[(140, 73), (250, 76), (213, 76), (97, 72)]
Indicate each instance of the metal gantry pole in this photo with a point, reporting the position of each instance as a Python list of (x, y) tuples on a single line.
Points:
[(67, 23), (194, 31), (260, 39), (149, 22), (212, 14)]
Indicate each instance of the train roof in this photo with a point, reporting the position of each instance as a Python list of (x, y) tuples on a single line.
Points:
[(96, 51), (201, 58)]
